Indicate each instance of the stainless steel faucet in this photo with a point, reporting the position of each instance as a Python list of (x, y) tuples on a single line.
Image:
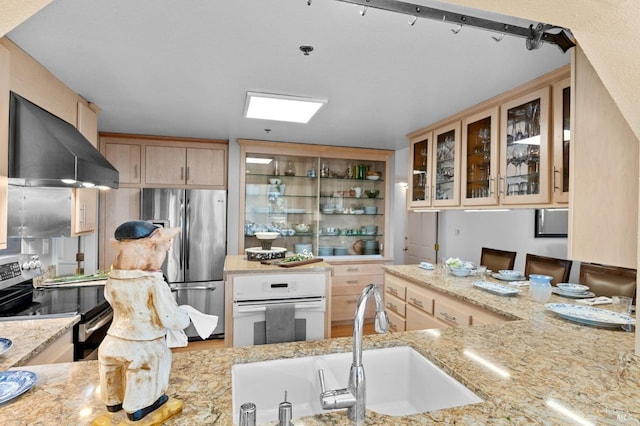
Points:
[(353, 397)]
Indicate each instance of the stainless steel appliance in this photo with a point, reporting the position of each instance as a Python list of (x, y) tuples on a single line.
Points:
[(20, 300), (194, 264), (253, 296)]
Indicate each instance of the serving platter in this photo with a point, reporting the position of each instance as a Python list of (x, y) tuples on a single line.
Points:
[(15, 383), (499, 289), (507, 278), (589, 315), (572, 294), (5, 344)]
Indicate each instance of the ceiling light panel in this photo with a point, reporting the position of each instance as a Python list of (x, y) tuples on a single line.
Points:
[(294, 109)]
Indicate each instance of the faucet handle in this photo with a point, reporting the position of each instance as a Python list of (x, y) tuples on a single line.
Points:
[(334, 399)]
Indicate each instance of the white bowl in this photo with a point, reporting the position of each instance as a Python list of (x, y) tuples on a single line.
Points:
[(572, 288), (510, 273), (460, 272), (301, 227), (373, 177), (275, 181), (267, 235)]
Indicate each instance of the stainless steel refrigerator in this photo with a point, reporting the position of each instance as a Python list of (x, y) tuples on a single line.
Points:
[(194, 264)]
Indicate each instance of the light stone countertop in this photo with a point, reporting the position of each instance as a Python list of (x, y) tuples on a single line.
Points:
[(238, 264), (544, 362), (30, 337)]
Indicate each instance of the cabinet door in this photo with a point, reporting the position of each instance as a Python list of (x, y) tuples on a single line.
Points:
[(524, 150), (446, 168), (480, 159), (206, 167), (84, 204), (125, 158), (117, 206), (561, 140), (4, 131), (165, 165), (420, 171)]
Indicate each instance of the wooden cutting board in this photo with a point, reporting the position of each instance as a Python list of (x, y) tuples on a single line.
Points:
[(278, 262)]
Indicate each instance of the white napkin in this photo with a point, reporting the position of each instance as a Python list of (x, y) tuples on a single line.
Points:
[(600, 300), (203, 323), (426, 265)]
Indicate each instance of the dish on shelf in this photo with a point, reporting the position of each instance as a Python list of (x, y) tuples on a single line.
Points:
[(257, 253), (267, 235), (572, 295), (373, 177), (5, 344), (499, 289), (328, 211), (294, 210), (358, 211), (340, 251), (589, 315), (15, 383)]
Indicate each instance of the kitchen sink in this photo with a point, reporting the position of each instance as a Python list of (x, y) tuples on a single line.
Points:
[(400, 382)]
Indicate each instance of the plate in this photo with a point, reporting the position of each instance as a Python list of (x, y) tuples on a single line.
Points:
[(505, 278), (294, 210), (589, 315), (572, 294), (5, 344), (573, 288), (373, 177), (499, 289), (14, 383)]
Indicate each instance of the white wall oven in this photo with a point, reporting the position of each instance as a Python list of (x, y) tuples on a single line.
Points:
[(270, 308)]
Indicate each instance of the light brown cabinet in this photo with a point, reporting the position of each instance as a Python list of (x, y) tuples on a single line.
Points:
[(116, 207), (415, 307), (561, 92), (347, 284), (498, 152), (84, 201), (4, 142), (173, 165), (126, 158)]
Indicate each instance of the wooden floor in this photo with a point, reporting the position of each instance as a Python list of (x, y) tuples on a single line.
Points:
[(336, 331)]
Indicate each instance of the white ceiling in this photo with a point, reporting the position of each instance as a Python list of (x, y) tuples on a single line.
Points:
[(169, 67)]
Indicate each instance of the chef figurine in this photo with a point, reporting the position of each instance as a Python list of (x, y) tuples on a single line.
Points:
[(134, 359)]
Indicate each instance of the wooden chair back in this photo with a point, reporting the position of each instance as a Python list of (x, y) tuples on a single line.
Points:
[(608, 281), (496, 260), (559, 269)]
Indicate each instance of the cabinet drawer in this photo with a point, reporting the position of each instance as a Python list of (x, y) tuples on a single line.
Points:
[(420, 299), (358, 269), (395, 287), (451, 316), (419, 320), (353, 284), (396, 322), (394, 304), (343, 308)]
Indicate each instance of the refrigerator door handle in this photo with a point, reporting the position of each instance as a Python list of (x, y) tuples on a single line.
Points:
[(186, 287), (187, 220)]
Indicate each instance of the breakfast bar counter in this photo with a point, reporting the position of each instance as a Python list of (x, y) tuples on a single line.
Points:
[(535, 368)]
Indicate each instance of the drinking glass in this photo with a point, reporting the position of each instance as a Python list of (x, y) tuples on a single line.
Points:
[(540, 287), (482, 272), (621, 304)]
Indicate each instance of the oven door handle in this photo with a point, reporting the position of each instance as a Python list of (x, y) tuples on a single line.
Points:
[(86, 332), (186, 287), (302, 306)]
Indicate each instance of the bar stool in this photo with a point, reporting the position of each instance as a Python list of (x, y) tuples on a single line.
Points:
[(559, 269), (608, 281), (496, 260)]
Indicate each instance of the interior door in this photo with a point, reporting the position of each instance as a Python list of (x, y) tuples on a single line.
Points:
[(420, 239)]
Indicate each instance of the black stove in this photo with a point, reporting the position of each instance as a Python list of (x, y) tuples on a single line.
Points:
[(20, 300)]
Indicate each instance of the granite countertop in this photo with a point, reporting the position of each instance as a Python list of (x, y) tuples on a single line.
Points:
[(238, 264), (29, 337), (535, 366)]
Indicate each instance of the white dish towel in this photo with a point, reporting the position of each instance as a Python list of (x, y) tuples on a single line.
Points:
[(601, 300), (203, 323)]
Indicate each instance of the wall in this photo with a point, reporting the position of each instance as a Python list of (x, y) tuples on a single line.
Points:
[(463, 234)]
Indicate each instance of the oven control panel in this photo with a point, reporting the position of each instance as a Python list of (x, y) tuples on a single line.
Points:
[(10, 270), (278, 286)]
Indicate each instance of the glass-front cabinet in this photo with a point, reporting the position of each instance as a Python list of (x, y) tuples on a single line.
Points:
[(420, 171), (434, 174), (561, 140), (524, 150), (330, 201), (480, 158)]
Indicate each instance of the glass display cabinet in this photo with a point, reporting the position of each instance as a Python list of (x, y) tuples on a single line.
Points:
[(328, 204), (561, 140), (524, 151), (480, 158), (446, 169), (420, 168)]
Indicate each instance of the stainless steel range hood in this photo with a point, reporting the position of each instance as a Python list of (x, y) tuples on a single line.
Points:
[(44, 150)]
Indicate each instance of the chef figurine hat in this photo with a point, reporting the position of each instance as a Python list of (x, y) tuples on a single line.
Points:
[(141, 245)]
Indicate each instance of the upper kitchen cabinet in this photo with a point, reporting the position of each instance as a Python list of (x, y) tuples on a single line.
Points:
[(4, 143), (156, 161), (446, 165), (190, 166), (561, 92), (435, 167), (480, 158), (328, 200), (420, 170), (126, 158), (525, 149)]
